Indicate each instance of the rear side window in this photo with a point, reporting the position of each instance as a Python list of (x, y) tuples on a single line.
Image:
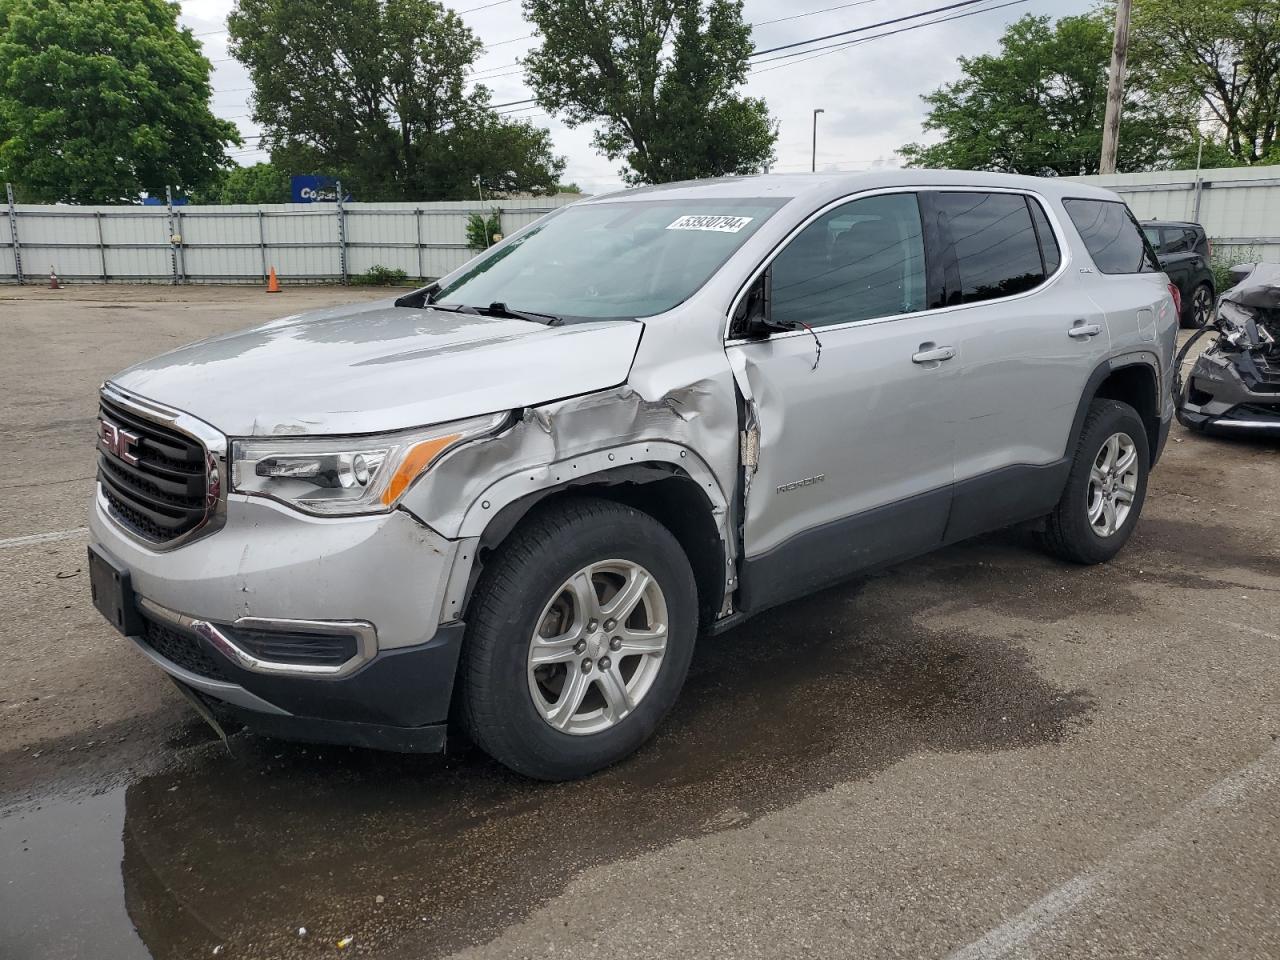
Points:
[(1112, 237), (996, 253)]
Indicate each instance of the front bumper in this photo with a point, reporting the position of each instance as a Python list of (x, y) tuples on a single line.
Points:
[(1219, 400), (381, 579)]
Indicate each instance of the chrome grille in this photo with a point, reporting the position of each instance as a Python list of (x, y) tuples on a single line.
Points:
[(164, 494)]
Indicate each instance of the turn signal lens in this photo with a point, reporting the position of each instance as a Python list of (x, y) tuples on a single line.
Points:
[(416, 460)]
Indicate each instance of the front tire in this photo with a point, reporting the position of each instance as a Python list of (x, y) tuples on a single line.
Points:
[(1105, 489), (579, 639)]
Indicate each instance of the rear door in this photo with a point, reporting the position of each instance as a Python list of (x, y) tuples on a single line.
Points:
[(853, 406), (1027, 339)]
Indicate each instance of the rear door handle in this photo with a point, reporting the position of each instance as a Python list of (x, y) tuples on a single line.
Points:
[(932, 354), (1081, 330)]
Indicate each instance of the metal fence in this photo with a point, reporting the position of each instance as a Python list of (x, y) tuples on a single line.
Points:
[(240, 243), (1238, 206)]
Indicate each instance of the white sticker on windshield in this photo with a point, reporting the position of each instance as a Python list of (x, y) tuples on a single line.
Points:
[(718, 224)]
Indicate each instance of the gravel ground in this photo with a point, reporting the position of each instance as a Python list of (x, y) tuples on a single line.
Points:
[(982, 753)]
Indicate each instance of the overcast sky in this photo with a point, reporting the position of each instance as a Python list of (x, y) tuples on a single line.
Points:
[(870, 91)]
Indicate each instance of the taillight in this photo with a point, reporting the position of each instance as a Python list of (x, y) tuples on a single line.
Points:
[(1177, 298)]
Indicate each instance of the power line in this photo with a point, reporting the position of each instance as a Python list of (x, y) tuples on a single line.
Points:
[(484, 6), (811, 13), (864, 29), (802, 56)]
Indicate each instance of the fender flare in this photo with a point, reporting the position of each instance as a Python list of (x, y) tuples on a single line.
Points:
[(503, 503), (1100, 373)]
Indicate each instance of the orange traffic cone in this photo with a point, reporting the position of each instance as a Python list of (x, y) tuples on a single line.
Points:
[(53, 280), (273, 285)]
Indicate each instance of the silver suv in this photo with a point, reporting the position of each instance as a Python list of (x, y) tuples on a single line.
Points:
[(512, 500)]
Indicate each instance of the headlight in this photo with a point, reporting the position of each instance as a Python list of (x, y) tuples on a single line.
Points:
[(346, 475)]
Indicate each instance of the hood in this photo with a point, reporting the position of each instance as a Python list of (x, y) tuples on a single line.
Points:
[(375, 367), (1259, 288)]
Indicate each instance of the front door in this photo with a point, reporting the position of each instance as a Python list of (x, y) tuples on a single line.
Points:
[(855, 426)]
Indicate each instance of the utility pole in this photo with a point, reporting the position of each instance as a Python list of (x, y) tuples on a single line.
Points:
[(813, 163), (1115, 89)]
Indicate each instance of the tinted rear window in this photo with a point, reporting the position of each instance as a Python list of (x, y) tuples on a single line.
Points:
[(995, 244), (1112, 237)]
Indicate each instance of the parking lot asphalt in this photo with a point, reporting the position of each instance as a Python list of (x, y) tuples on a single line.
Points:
[(982, 753)]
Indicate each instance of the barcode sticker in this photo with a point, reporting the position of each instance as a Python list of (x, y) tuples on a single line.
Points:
[(716, 224)]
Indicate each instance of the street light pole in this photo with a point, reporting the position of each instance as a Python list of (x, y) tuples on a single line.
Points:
[(1115, 89), (813, 163)]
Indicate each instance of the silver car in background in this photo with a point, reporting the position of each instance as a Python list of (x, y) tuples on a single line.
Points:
[(512, 500)]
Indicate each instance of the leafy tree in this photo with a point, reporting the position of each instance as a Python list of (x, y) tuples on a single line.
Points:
[(1224, 55), (373, 91), (101, 100), (658, 77), (259, 183), (1037, 106), (481, 229)]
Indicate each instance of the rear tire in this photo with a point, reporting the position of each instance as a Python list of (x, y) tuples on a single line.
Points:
[(547, 596), (1105, 489)]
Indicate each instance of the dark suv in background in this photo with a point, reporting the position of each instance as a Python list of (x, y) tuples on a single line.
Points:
[(1184, 252)]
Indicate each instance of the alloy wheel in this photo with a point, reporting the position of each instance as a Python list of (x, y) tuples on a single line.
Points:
[(598, 647), (1113, 484), (1201, 306)]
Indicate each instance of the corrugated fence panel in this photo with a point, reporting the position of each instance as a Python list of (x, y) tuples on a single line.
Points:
[(221, 242), (303, 243), (237, 244), (381, 236), (136, 244)]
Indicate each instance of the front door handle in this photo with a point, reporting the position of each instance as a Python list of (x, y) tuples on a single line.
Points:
[(1082, 331), (932, 354)]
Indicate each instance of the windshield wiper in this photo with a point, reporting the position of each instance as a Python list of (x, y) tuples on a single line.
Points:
[(497, 309)]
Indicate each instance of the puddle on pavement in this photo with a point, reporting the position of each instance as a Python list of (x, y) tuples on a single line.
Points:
[(60, 891), (238, 852)]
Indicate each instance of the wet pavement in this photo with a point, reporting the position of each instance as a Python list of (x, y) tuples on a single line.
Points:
[(894, 767), (239, 851)]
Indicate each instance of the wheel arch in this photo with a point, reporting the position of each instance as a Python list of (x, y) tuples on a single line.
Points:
[(674, 487), (1134, 379)]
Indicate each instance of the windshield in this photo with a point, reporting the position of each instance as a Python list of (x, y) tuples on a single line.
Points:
[(607, 260)]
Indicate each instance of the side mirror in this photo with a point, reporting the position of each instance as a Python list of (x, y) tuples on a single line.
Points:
[(752, 320), (1240, 272)]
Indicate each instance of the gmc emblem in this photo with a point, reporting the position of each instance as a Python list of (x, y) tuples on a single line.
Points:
[(117, 441)]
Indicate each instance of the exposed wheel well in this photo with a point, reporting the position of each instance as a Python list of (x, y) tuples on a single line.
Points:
[(669, 496), (1136, 386)]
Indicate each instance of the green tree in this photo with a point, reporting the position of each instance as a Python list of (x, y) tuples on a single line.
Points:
[(101, 100), (1037, 106), (658, 77), (481, 229), (374, 91), (259, 183), (1223, 55)]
